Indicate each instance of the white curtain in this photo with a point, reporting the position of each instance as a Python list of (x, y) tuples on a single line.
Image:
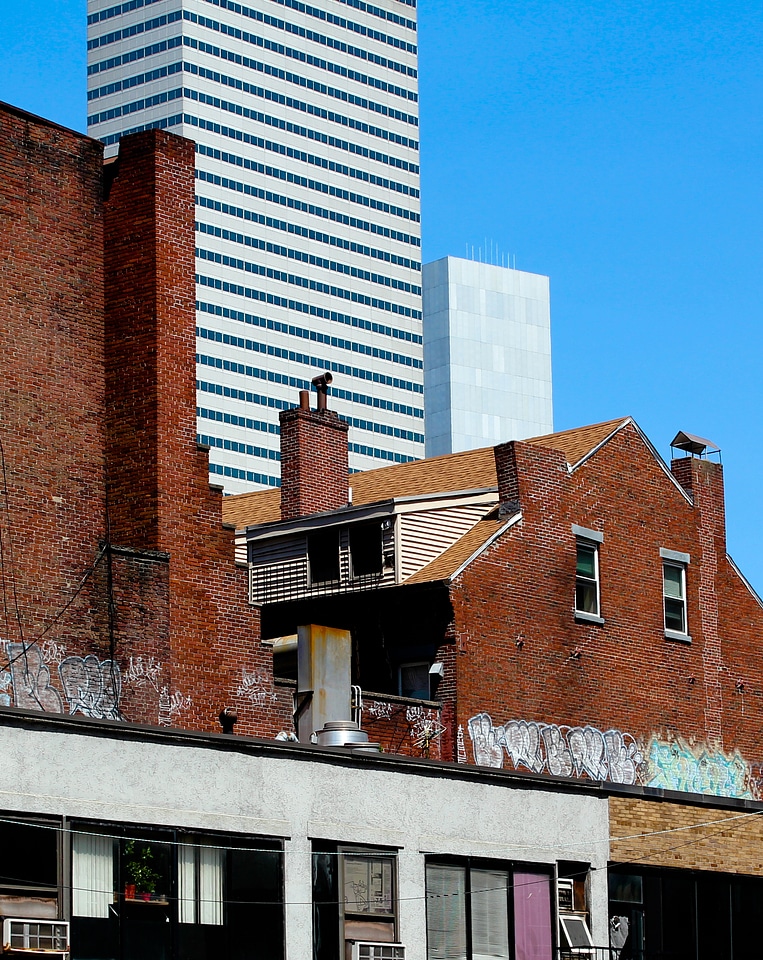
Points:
[(186, 884), (446, 912), (92, 875), (210, 885), (490, 914), (200, 894)]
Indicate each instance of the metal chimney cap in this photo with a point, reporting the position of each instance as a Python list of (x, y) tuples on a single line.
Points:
[(693, 444)]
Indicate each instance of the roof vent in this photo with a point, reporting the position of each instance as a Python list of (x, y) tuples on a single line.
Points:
[(694, 446), (345, 733)]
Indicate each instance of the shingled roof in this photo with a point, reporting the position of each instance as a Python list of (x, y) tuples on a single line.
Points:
[(451, 473)]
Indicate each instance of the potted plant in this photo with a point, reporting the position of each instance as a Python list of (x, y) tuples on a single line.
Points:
[(141, 875)]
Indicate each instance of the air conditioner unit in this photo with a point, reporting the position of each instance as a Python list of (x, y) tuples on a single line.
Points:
[(368, 950), (29, 938)]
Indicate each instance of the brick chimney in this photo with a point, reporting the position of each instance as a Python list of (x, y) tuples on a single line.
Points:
[(703, 481), (314, 468)]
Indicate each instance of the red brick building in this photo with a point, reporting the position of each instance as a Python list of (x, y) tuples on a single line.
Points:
[(121, 599), (566, 602)]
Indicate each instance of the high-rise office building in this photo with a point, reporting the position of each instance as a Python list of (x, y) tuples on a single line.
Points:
[(305, 119), (487, 350)]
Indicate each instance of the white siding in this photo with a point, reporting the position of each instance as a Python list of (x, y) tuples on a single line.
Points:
[(425, 535)]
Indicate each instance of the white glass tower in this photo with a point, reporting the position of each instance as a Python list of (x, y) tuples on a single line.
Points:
[(308, 240), (487, 344)]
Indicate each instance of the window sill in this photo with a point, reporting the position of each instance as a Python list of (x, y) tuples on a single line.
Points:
[(675, 635), (582, 617)]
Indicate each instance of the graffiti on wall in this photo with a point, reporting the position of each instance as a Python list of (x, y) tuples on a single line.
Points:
[(559, 750), (678, 765), (256, 688), (89, 686), (615, 756), (147, 671)]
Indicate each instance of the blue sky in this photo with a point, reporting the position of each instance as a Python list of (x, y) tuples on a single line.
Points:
[(616, 147)]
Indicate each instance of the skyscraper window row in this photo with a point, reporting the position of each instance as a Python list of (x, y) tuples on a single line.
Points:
[(294, 54), (221, 416), (255, 141), (264, 453), (119, 9), (347, 25), (250, 476), (313, 37), (162, 124), (383, 14), (305, 283), (300, 105), (300, 255), (132, 55), (300, 383), (269, 349), (252, 217), (134, 29), (142, 52), (297, 180), (309, 334), (134, 107), (304, 82), (270, 121), (222, 390), (129, 82)]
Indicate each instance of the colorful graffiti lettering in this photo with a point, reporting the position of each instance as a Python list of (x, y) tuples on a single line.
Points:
[(614, 756), (698, 769)]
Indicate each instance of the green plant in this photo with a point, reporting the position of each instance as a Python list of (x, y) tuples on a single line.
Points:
[(139, 866)]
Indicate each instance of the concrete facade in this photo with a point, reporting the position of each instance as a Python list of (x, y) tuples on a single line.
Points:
[(301, 795), (308, 244), (487, 355)]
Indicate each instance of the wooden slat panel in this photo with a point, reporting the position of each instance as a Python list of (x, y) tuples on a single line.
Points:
[(425, 535)]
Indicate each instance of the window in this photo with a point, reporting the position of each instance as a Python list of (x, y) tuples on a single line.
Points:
[(587, 593), (674, 596), (200, 884), (366, 548), (354, 897), (413, 680), (495, 911), (323, 555)]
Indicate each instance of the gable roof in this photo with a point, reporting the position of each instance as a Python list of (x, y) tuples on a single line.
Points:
[(450, 473)]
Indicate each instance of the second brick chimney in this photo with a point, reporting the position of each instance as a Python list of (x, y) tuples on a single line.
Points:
[(314, 467)]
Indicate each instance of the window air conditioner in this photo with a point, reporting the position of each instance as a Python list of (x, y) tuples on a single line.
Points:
[(367, 950), (35, 937)]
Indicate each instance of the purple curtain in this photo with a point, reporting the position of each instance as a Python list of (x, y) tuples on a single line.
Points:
[(532, 916)]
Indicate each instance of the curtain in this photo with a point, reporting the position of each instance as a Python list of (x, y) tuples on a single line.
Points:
[(446, 912), (210, 885), (186, 884), (490, 914), (532, 916), (92, 875)]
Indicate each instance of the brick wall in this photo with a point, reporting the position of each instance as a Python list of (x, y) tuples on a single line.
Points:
[(129, 606), (314, 467), (699, 838), (522, 656), (52, 427)]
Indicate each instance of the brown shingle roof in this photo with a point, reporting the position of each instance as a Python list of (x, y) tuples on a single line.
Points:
[(470, 470), (448, 562)]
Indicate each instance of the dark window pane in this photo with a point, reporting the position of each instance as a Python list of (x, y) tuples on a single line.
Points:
[(586, 565), (323, 554), (585, 597), (674, 615), (366, 548), (29, 856), (255, 905)]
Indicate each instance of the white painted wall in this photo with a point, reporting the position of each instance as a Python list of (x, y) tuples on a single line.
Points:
[(302, 793)]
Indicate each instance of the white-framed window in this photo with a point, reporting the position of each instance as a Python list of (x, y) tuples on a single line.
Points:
[(587, 574), (674, 566)]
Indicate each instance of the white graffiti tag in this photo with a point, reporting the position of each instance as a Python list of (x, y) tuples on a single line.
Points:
[(558, 750), (30, 678), (256, 688), (92, 686)]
